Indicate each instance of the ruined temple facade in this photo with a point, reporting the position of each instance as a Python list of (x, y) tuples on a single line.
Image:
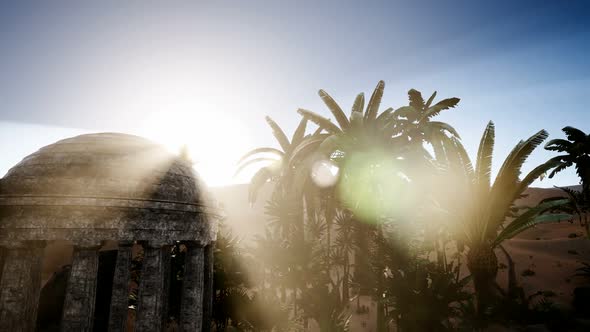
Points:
[(105, 187)]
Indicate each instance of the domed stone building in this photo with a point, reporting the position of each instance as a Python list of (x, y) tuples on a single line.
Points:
[(105, 187)]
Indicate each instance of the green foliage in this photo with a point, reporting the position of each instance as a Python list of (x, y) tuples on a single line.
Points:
[(423, 297), (576, 151), (388, 210), (278, 163)]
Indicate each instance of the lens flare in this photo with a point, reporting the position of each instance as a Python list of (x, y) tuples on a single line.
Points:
[(324, 173), (373, 186)]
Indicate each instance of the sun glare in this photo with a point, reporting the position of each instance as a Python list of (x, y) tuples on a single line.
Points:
[(214, 141)]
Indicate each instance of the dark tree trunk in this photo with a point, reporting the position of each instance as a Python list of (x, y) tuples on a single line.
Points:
[(345, 280), (361, 259), (483, 265), (381, 321)]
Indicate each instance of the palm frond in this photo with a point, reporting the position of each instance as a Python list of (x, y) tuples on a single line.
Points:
[(384, 117), (437, 146), (253, 152), (335, 109), (416, 99), (442, 105), (375, 101), (531, 218), (303, 150), (536, 173), (407, 112), (254, 161), (506, 186), (563, 164), (330, 144), (430, 100), (356, 120), (442, 126), (510, 169), (559, 145), (299, 132), (484, 158), (317, 131), (574, 134), (464, 157), (320, 121), (258, 180), (359, 103), (279, 134)]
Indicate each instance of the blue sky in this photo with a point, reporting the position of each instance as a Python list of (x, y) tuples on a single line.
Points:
[(217, 67)]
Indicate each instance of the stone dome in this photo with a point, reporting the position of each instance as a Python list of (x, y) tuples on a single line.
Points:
[(114, 182), (105, 165)]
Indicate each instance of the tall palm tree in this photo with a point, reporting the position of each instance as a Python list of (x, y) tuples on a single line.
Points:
[(576, 149), (276, 159), (483, 208), (366, 132), (416, 126), (369, 151)]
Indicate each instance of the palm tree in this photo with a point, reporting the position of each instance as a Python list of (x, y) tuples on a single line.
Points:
[(577, 152), (230, 282), (416, 126), (364, 130), (486, 206), (361, 127), (364, 139), (276, 159), (369, 149)]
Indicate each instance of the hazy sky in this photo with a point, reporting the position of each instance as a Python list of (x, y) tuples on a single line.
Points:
[(206, 72)]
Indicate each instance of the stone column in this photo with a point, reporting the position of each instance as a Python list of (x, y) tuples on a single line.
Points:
[(191, 304), (120, 294), (20, 286), (152, 304), (78, 312), (208, 287)]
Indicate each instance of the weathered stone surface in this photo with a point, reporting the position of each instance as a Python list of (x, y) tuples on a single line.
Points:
[(191, 305), (78, 313), (124, 185), (208, 286), (2, 257), (93, 188), (127, 167), (120, 293), (152, 304), (75, 223), (20, 287)]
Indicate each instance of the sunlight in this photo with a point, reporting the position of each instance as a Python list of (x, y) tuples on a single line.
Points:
[(324, 173), (373, 186), (206, 137)]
